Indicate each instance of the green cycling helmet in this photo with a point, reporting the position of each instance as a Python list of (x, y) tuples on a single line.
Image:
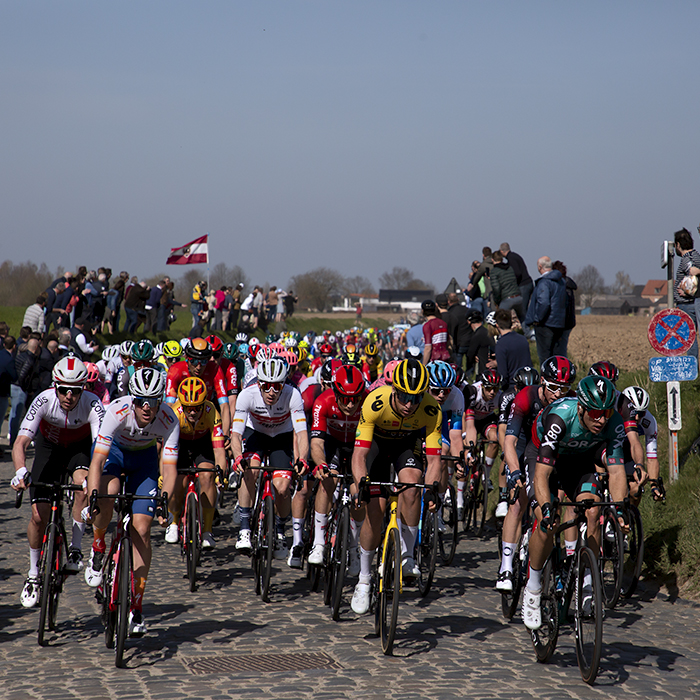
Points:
[(231, 351), (142, 351), (596, 393)]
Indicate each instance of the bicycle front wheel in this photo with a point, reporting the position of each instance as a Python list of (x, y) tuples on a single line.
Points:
[(109, 616), (426, 551), (340, 561), (390, 589), (268, 549), (46, 577), (191, 535), (510, 599), (56, 580), (123, 600), (633, 553), (610, 559), (588, 615), (448, 538)]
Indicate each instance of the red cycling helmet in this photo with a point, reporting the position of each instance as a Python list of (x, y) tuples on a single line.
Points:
[(604, 369), (490, 378), (326, 349), (216, 345), (348, 381), (558, 369)]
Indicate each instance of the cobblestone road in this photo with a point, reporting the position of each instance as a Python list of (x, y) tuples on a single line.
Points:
[(452, 644)]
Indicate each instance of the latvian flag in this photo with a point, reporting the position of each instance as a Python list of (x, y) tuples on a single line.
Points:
[(192, 253)]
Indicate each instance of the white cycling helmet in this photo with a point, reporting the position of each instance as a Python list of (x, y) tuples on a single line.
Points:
[(147, 383), (273, 370), (638, 397), (110, 352), (125, 348), (241, 337), (158, 350), (253, 341), (69, 370), (491, 319), (185, 343)]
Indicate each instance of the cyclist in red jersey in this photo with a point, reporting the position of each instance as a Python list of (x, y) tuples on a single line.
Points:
[(198, 364), (435, 334), (228, 367), (326, 353), (336, 413)]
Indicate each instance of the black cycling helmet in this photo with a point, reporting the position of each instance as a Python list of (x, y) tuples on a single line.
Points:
[(429, 307), (526, 376), (596, 393)]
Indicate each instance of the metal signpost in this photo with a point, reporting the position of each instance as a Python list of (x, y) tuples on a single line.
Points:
[(672, 333)]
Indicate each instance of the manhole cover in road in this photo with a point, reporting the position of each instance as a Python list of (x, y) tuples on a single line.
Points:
[(258, 663)]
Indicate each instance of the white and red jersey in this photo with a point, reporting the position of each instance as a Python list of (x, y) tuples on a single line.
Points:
[(435, 334), (285, 415), (120, 427), (230, 375), (328, 419), (475, 405), (46, 416)]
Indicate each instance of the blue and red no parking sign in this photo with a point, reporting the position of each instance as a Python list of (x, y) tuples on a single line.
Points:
[(671, 332)]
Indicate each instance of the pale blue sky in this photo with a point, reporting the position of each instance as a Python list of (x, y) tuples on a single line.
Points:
[(355, 135)]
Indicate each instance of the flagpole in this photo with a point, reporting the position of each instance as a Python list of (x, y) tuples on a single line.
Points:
[(208, 276)]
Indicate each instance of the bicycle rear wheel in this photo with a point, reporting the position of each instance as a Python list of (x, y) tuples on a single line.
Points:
[(610, 559), (588, 615), (109, 617), (339, 561), (389, 593), (123, 600), (448, 539), (633, 553), (482, 504), (258, 541), (330, 542), (46, 578), (268, 548), (191, 536), (426, 551), (544, 639)]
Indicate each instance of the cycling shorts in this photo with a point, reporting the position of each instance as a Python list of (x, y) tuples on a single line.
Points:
[(279, 447), (483, 425), (195, 452), (54, 463), (575, 473), (401, 454), (338, 454), (141, 470)]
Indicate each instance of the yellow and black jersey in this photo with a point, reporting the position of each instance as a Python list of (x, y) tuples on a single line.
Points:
[(378, 419), (208, 424)]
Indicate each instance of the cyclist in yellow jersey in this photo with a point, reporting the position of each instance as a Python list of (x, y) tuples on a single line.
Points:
[(392, 424), (201, 445), (373, 360)]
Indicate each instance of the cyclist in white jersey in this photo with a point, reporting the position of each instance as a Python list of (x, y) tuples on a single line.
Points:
[(270, 419), (127, 444), (62, 422)]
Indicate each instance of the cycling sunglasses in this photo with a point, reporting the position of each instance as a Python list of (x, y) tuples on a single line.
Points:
[(195, 361), (345, 400), (598, 413), (63, 390), (142, 401), (404, 398), (556, 388), (271, 386), (437, 390)]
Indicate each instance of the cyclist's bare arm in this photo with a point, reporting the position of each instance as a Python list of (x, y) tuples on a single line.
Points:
[(359, 463), (318, 452), (19, 452), (97, 463)]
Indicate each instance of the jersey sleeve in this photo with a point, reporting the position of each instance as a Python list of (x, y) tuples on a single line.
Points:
[(319, 425), (296, 409), (214, 421), (553, 428), (232, 379), (650, 433), (220, 387), (115, 414), (240, 415), (615, 440), (469, 394), (518, 411), (171, 439), (97, 414), (368, 415), (433, 429), (32, 419), (172, 382)]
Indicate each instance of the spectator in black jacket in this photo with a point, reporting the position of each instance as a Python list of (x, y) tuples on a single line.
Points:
[(512, 350), (523, 279), (8, 375), (458, 326), (25, 362), (480, 346)]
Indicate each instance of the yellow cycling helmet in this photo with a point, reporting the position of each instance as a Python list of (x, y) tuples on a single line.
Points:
[(410, 377), (371, 350), (172, 349), (192, 392), (302, 354)]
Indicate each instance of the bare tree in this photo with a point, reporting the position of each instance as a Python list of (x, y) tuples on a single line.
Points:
[(189, 278), (20, 284), (623, 283), (400, 278), (358, 285), (317, 287), (230, 276), (590, 282)]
